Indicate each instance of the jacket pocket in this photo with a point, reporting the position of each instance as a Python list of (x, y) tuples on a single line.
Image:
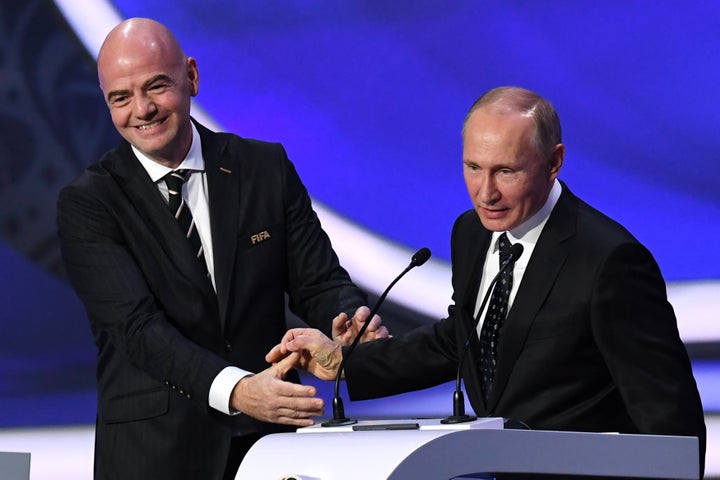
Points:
[(139, 405)]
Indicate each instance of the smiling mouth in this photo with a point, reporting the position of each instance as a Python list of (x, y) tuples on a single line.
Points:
[(149, 125)]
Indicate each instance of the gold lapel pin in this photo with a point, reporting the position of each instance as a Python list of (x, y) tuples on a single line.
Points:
[(259, 237), (225, 170)]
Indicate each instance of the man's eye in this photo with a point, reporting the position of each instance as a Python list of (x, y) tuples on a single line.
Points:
[(159, 87), (118, 101)]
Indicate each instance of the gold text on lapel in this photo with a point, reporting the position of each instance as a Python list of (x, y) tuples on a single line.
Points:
[(259, 237)]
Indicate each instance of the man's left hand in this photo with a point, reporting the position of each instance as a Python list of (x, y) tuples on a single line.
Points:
[(345, 330)]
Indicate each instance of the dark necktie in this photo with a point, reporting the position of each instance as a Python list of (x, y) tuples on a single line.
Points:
[(496, 313), (174, 181)]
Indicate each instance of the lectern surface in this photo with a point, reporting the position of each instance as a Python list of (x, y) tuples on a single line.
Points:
[(426, 453)]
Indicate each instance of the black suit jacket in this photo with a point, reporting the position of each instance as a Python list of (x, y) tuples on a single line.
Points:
[(162, 332), (590, 343)]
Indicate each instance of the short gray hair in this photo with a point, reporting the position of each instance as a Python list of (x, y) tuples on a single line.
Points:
[(515, 99)]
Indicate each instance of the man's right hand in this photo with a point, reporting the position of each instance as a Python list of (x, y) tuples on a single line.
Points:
[(318, 354), (267, 397)]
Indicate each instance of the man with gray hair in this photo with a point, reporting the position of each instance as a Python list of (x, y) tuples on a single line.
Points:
[(578, 334)]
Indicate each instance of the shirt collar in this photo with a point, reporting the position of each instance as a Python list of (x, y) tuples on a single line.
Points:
[(193, 160)]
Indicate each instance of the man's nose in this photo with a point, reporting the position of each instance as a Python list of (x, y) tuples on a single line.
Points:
[(487, 191), (144, 107)]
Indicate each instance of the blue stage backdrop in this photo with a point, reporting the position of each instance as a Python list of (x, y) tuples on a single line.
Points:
[(368, 97)]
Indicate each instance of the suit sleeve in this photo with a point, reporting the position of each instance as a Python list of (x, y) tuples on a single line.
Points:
[(125, 318), (427, 356), (318, 287), (636, 331)]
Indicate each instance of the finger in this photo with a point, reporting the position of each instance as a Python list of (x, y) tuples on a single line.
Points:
[(295, 422), (361, 314), (304, 342), (381, 332), (375, 323), (277, 392), (339, 323), (277, 353), (295, 332), (300, 413), (286, 364)]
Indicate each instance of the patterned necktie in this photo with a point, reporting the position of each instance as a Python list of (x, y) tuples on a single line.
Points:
[(174, 181), (496, 312)]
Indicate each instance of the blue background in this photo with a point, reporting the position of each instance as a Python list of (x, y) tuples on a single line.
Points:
[(369, 97)]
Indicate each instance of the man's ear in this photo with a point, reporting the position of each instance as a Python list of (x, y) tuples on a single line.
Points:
[(193, 76)]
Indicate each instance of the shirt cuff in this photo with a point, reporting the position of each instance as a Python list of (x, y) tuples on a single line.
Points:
[(222, 387)]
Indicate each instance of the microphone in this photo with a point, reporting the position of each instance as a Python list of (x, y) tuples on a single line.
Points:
[(339, 418), (459, 415)]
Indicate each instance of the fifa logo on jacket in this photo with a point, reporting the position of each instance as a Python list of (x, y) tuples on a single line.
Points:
[(259, 237)]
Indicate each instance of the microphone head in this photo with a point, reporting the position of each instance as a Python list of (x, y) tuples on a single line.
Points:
[(422, 255), (516, 250)]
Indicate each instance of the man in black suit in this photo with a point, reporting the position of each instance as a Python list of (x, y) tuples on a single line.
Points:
[(181, 327), (588, 342)]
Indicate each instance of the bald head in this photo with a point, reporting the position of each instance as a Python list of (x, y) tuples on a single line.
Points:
[(148, 82), (138, 34)]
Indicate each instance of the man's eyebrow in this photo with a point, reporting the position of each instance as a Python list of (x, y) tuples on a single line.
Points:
[(157, 78)]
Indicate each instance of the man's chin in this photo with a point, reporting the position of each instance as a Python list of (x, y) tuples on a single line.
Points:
[(495, 224)]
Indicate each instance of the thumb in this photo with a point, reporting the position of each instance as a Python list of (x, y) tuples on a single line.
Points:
[(286, 364), (338, 324), (274, 355)]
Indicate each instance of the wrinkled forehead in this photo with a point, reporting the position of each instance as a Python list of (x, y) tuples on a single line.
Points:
[(508, 124), (139, 41), (136, 59)]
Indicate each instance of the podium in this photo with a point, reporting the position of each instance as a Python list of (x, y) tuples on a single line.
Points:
[(426, 449), (14, 466)]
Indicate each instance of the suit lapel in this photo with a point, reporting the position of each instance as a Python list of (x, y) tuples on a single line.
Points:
[(473, 245), (542, 269), (145, 197), (224, 190)]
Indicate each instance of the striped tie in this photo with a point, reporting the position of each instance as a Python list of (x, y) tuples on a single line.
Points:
[(174, 181)]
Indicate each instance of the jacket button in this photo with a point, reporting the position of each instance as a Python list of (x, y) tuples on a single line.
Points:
[(228, 346)]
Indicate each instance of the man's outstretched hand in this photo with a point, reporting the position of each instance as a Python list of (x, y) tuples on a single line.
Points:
[(345, 330), (312, 351), (268, 397)]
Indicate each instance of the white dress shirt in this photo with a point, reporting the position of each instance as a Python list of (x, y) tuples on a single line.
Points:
[(527, 234), (195, 194)]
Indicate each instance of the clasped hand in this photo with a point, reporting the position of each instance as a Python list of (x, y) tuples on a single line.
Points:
[(320, 355), (268, 397)]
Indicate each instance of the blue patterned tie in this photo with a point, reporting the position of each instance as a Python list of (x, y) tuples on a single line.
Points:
[(174, 181), (496, 313)]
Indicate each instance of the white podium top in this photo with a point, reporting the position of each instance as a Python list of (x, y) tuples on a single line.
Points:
[(436, 451)]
